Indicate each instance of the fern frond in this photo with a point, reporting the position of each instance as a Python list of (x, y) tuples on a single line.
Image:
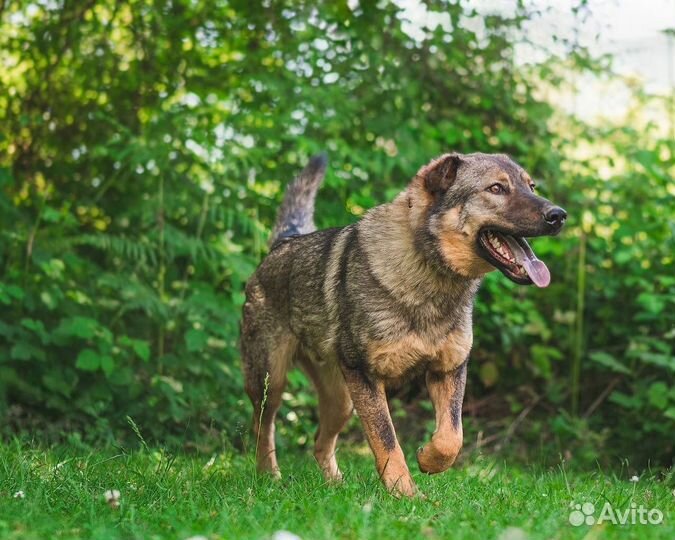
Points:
[(139, 251), (134, 295)]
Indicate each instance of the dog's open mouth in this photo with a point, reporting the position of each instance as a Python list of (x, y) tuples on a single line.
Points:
[(514, 257)]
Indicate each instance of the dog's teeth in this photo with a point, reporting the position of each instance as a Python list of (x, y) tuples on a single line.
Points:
[(499, 247)]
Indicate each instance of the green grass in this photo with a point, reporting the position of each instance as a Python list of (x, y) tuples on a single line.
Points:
[(167, 496)]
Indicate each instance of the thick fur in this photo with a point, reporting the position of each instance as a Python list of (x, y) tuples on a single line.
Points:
[(362, 307), (296, 215)]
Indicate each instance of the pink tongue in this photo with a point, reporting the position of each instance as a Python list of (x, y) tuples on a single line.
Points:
[(536, 269)]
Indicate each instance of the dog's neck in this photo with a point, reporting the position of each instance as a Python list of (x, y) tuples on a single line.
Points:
[(400, 263)]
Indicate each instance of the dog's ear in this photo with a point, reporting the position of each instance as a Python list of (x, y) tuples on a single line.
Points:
[(440, 174)]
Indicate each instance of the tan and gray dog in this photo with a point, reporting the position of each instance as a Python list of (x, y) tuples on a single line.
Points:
[(363, 307)]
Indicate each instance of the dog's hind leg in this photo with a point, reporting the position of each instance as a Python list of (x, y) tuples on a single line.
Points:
[(335, 408), (267, 353)]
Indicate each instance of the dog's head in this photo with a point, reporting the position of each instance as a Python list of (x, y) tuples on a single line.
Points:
[(474, 212)]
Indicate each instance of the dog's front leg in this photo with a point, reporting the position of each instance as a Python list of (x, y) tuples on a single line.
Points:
[(370, 402), (447, 393)]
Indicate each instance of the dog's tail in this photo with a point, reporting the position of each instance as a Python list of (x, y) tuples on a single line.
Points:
[(296, 215)]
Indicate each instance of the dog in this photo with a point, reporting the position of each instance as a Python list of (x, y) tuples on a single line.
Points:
[(362, 307)]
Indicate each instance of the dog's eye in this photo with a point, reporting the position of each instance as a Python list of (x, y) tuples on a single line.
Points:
[(497, 189), (532, 186)]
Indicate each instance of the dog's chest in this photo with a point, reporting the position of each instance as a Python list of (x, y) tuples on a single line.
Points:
[(393, 358)]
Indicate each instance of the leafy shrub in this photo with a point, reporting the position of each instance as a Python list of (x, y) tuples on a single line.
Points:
[(143, 154)]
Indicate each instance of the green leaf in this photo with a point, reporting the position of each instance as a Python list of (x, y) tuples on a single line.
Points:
[(541, 358), (51, 215), (21, 351), (88, 360), (49, 299), (122, 376), (141, 348), (9, 292), (82, 327), (26, 351), (38, 327), (54, 268), (7, 330), (607, 360), (626, 401), (663, 360), (195, 339), (653, 303), (172, 383), (658, 395), (15, 292), (60, 380), (107, 364)]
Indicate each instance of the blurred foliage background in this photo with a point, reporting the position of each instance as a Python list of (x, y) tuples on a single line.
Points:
[(144, 149)]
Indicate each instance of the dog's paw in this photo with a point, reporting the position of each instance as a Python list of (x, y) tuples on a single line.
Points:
[(403, 486), (273, 472), (435, 458), (329, 468), (333, 476)]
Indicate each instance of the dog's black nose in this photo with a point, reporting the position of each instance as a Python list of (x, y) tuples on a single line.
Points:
[(555, 216)]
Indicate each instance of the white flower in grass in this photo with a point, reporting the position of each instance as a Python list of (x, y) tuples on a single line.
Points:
[(513, 533), (198, 537), (19, 495), (634, 478), (285, 535), (367, 508), (112, 497)]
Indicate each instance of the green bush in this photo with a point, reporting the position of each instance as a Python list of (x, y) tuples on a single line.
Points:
[(144, 150)]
